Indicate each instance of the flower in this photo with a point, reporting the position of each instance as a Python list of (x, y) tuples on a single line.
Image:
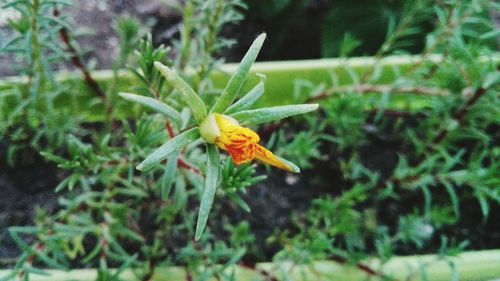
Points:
[(219, 130), (240, 142)]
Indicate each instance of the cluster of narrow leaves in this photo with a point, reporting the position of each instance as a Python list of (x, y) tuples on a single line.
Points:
[(33, 43), (224, 104), (416, 172)]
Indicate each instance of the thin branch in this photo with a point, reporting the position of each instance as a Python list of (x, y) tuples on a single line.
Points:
[(404, 24), (77, 62), (29, 260), (169, 128), (457, 116), (391, 113), (451, 25), (151, 269), (384, 88)]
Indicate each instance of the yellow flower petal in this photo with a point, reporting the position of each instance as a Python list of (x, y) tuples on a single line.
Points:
[(266, 156)]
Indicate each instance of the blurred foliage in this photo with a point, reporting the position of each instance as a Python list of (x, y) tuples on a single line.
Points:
[(35, 44), (394, 24), (368, 27), (408, 177)]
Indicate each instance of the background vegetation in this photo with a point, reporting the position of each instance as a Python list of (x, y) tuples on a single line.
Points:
[(399, 159)]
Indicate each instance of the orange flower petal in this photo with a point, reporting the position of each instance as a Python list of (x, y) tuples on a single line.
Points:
[(242, 143)]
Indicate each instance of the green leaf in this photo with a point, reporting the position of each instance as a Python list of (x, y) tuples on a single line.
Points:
[(210, 189), (180, 193), (427, 199), (453, 196), (236, 81), (50, 261), (240, 202), (154, 104), (268, 114), (248, 100), (130, 191), (168, 148), (294, 168), (125, 265), (188, 94), (97, 250), (169, 175), (491, 79), (483, 203)]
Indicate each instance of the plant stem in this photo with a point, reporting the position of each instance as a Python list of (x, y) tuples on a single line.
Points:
[(186, 35), (180, 161), (37, 70), (457, 116), (387, 88), (77, 62)]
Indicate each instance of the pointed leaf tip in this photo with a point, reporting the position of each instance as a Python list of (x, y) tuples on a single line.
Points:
[(247, 100), (174, 144), (212, 176), (269, 114), (293, 168), (155, 105), (161, 66), (189, 96), (238, 78)]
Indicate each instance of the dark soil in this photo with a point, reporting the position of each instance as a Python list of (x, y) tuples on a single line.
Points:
[(273, 202), (23, 188)]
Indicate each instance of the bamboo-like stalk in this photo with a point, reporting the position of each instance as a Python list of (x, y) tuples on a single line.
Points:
[(281, 87), (281, 83), (475, 265)]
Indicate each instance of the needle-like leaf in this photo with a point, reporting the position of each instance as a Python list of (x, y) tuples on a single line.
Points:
[(156, 105), (188, 94), (269, 114), (248, 100), (236, 81), (169, 175), (207, 199), (168, 148)]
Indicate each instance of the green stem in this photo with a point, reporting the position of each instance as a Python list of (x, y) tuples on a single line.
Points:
[(474, 265), (281, 86), (37, 69), (186, 34)]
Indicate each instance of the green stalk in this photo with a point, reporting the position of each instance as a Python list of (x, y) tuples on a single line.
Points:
[(187, 28), (36, 80), (35, 42), (280, 83), (474, 265)]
